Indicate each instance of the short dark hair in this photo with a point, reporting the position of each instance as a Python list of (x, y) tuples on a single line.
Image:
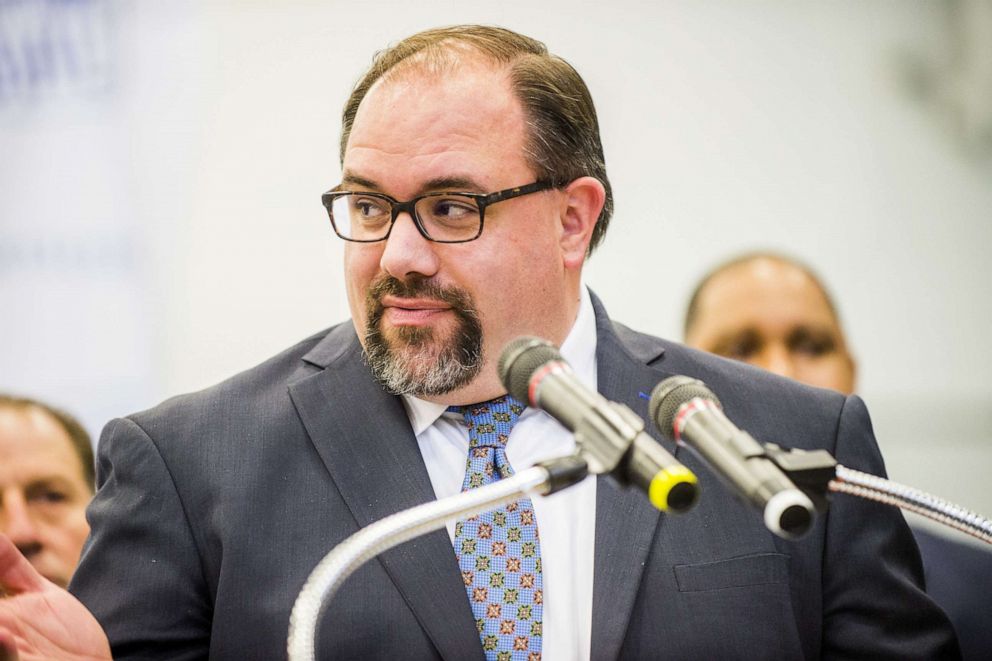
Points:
[(692, 310), (78, 436), (563, 143)]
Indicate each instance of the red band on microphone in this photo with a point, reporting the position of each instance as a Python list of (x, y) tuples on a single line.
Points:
[(687, 410), (535, 380)]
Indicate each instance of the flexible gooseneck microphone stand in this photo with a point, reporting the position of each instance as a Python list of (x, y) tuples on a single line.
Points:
[(879, 489), (543, 479)]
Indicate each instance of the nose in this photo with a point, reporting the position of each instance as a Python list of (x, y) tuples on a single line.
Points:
[(19, 525), (407, 252)]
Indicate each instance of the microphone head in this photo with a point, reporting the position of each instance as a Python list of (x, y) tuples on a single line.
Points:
[(518, 362), (789, 514), (669, 396)]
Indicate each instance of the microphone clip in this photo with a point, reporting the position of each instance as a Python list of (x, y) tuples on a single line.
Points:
[(810, 470), (604, 440)]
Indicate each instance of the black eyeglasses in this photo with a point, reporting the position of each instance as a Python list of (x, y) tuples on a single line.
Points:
[(446, 217)]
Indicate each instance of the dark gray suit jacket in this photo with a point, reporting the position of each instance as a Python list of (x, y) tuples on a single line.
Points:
[(214, 507)]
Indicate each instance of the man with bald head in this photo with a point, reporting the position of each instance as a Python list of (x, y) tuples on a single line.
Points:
[(46, 481), (773, 312), (473, 190)]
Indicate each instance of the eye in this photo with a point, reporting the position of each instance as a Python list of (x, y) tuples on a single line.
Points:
[(45, 495), (453, 209), (369, 208), (811, 342), (739, 347), (742, 351)]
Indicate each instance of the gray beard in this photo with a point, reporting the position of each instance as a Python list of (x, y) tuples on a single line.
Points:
[(416, 361)]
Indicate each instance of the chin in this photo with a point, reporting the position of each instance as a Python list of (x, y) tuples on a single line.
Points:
[(421, 361)]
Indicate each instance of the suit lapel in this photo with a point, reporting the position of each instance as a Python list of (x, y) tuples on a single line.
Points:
[(625, 521), (378, 469)]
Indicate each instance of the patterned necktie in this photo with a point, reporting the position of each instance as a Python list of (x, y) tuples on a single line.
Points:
[(498, 551)]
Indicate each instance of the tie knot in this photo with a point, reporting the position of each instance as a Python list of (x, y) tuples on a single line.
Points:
[(490, 423)]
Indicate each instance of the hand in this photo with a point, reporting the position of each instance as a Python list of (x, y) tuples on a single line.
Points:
[(41, 621)]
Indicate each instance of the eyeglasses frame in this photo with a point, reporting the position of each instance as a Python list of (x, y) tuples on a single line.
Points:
[(482, 200)]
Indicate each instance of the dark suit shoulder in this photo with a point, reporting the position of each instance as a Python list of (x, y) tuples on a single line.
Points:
[(247, 388)]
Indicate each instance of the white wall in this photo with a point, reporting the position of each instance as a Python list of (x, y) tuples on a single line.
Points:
[(727, 126)]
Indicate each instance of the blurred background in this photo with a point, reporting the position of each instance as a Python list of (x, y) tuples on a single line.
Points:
[(161, 165)]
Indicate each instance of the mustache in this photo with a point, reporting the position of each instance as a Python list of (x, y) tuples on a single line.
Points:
[(417, 287)]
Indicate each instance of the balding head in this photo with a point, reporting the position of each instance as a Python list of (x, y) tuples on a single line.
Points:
[(772, 312), (562, 141)]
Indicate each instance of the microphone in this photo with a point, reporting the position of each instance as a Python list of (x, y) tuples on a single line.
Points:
[(611, 437), (687, 412)]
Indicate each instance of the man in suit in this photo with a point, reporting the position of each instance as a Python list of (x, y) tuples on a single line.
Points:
[(774, 312), (473, 189)]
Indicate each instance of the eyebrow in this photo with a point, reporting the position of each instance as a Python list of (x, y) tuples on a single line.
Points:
[(454, 183), (818, 333), (450, 183), (52, 482), (748, 333), (355, 180)]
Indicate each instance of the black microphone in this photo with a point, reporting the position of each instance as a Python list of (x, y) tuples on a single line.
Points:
[(610, 437), (687, 412)]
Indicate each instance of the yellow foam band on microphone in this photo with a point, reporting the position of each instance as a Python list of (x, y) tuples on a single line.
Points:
[(662, 484)]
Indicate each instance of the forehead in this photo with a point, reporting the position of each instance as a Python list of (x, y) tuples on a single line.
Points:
[(764, 293), (30, 440), (420, 124)]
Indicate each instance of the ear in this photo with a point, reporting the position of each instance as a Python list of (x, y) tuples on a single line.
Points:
[(583, 200)]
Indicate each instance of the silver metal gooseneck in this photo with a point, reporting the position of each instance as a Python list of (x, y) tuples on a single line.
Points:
[(403, 526), (879, 489)]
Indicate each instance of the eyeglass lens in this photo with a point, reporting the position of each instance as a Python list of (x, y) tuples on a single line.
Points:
[(445, 217)]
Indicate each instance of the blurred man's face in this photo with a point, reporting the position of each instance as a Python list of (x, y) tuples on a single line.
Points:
[(43, 494), (419, 305), (772, 315)]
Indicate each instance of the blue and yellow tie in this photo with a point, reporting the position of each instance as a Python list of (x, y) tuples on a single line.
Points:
[(499, 553)]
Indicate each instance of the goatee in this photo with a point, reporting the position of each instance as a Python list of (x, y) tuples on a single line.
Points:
[(422, 361)]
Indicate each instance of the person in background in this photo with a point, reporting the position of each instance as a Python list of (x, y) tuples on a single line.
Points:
[(774, 312), (46, 481)]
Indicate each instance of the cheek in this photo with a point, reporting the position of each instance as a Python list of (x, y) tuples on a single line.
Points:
[(519, 292), (66, 530), (511, 278), (78, 529), (361, 265), (829, 372)]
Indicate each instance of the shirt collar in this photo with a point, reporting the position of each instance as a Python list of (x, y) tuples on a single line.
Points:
[(578, 350)]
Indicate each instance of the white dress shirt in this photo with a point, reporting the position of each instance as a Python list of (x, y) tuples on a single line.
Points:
[(566, 520)]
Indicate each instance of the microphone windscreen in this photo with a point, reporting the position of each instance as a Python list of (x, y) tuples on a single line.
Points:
[(518, 362), (669, 396)]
